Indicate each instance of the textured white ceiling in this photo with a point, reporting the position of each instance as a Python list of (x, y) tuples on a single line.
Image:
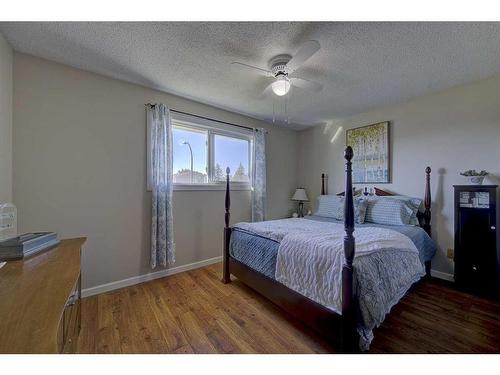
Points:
[(362, 65)]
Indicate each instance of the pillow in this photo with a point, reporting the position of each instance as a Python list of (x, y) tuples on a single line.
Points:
[(333, 206), (417, 203), (330, 206), (360, 206), (391, 210)]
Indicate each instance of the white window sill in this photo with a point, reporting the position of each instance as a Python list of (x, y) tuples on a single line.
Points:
[(211, 187)]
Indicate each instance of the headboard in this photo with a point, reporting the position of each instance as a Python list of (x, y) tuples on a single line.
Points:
[(324, 187), (424, 218)]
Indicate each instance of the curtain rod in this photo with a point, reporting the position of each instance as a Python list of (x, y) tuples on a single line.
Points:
[(206, 118)]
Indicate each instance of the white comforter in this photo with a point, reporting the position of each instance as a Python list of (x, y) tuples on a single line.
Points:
[(311, 254)]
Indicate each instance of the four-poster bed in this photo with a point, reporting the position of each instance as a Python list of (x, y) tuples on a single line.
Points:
[(340, 326)]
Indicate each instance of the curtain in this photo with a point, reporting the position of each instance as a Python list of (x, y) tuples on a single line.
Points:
[(259, 176), (162, 235)]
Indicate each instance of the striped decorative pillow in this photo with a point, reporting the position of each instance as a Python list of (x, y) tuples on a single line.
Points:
[(415, 203), (390, 211), (333, 206), (330, 206), (360, 206)]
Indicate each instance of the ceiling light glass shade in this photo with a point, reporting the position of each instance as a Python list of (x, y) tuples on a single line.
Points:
[(281, 86)]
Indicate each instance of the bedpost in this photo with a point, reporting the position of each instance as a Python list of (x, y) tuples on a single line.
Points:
[(226, 277), (349, 335), (427, 213), (427, 201), (323, 184)]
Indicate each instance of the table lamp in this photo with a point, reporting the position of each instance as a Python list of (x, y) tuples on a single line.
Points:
[(300, 196)]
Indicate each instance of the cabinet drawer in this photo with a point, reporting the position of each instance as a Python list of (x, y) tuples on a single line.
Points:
[(71, 326), (70, 323)]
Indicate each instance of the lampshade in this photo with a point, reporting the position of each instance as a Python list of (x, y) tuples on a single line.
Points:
[(281, 86), (300, 195)]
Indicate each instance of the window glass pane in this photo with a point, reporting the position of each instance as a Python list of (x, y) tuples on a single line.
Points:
[(233, 153), (185, 141)]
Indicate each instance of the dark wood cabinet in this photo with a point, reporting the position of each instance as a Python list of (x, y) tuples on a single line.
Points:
[(477, 260)]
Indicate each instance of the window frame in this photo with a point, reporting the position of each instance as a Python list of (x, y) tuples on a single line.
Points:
[(212, 128)]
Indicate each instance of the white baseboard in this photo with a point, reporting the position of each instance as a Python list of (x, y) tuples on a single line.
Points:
[(187, 267), (147, 277), (442, 275)]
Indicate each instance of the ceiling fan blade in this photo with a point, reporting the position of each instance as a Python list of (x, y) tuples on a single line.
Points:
[(305, 84), (240, 67), (304, 53), (267, 90)]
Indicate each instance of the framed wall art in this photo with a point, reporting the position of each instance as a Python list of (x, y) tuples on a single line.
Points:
[(371, 161)]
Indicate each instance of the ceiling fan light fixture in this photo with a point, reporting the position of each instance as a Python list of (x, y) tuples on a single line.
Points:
[(281, 86)]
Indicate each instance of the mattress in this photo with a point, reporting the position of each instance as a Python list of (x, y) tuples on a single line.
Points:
[(260, 253)]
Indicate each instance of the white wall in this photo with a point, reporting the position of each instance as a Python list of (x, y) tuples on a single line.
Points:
[(6, 58), (80, 169), (451, 131)]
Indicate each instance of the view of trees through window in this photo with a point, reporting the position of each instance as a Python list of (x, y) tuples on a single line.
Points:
[(191, 150), (233, 153)]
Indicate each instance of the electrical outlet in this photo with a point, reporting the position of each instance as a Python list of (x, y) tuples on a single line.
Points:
[(450, 253)]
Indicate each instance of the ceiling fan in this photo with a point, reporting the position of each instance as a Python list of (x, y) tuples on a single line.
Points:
[(281, 67)]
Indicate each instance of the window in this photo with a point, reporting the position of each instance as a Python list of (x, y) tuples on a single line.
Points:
[(232, 152), (203, 149), (190, 155)]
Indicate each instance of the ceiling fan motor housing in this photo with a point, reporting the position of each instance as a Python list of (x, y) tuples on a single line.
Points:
[(278, 65)]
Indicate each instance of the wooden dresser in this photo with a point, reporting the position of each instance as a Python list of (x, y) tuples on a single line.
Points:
[(40, 301)]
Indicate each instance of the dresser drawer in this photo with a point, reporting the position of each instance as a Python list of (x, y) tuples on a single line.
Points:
[(70, 323)]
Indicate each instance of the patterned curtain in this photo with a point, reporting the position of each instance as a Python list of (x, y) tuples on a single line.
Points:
[(259, 176), (162, 234)]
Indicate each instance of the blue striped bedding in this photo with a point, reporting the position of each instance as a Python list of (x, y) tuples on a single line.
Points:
[(380, 279), (259, 253)]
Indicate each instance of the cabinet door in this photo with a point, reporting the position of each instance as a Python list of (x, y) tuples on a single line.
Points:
[(476, 253)]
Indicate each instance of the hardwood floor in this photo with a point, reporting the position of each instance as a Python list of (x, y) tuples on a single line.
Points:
[(193, 312)]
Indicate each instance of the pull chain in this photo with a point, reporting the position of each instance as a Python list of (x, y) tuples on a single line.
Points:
[(281, 109)]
